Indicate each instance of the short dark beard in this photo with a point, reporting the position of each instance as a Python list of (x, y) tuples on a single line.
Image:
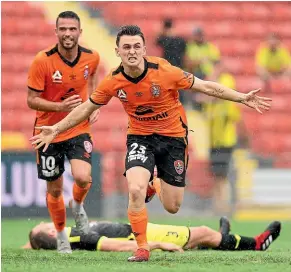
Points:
[(68, 48)]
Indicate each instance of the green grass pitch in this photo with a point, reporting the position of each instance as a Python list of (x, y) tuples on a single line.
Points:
[(14, 233)]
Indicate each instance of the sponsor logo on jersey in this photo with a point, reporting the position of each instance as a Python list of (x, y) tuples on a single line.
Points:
[(156, 117), (68, 93), (179, 166), (142, 110), (121, 94), (57, 77)]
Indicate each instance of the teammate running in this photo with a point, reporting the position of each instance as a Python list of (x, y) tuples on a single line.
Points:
[(59, 80)]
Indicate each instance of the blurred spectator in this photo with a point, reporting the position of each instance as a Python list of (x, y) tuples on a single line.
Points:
[(223, 119), (273, 60), (201, 56), (173, 46)]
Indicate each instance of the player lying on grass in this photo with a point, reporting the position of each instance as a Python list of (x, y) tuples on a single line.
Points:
[(109, 236)]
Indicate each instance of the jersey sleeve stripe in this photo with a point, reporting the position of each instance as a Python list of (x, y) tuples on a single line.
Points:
[(189, 236), (75, 239), (35, 90), (98, 246), (95, 102), (192, 82)]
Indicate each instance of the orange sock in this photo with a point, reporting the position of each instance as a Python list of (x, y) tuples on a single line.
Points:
[(139, 221), (57, 211), (157, 186), (79, 193)]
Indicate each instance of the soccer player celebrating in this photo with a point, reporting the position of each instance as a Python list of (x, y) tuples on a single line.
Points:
[(148, 88), (58, 81)]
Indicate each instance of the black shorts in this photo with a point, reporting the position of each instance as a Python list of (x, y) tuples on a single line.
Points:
[(168, 154), (51, 164), (219, 160)]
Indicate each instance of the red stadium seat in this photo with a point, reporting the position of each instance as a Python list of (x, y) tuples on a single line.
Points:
[(253, 30), (12, 63), (236, 48), (248, 83), (240, 65), (283, 160), (282, 29), (221, 30), (222, 11), (20, 10), (281, 11), (281, 85), (15, 100), (272, 143), (12, 82), (280, 102), (254, 11)]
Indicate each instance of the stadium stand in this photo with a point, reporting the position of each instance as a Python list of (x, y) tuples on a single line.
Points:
[(225, 25), (236, 40)]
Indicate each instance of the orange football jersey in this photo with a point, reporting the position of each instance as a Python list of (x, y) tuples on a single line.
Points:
[(150, 100), (57, 79)]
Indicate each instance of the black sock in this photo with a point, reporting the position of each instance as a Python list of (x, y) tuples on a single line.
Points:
[(236, 242)]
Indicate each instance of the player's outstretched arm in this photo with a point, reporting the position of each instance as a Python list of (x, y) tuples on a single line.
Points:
[(108, 244), (74, 118), (250, 99)]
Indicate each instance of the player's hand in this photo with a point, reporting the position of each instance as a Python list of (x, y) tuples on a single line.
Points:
[(171, 247), (94, 116), (256, 102), (48, 133), (70, 103)]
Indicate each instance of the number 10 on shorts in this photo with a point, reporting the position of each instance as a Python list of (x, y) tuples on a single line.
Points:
[(137, 152), (49, 168)]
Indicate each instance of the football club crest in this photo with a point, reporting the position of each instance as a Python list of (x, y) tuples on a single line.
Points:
[(88, 146), (57, 77), (155, 90), (179, 166), (86, 72)]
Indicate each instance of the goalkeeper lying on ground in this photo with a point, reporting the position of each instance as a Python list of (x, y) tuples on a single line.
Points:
[(109, 236)]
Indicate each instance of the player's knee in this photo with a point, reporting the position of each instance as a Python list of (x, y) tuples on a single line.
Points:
[(136, 192), (173, 208), (82, 179), (205, 231), (55, 192)]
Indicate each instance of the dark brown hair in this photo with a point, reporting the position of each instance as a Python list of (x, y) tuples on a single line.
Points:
[(129, 30), (68, 15)]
